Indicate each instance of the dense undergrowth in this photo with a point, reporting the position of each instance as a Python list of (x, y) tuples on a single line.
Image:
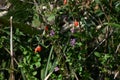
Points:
[(61, 40)]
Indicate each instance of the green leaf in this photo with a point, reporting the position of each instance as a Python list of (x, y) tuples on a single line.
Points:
[(50, 18), (37, 64), (18, 32), (99, 13), (1, 46), (25, 52), (48, 62), (36, 20), (106, 56), (20, 65), (31, 66), (97, 54), (34, 73), (112, 24), (79, 43), (80, 69), (117, 6), (42, 73), (97, 1)]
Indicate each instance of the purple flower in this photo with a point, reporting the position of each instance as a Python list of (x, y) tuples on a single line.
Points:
[(52, 33), (56, 69), (72, 42)]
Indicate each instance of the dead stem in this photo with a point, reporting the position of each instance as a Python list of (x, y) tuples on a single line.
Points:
[(12, 77)]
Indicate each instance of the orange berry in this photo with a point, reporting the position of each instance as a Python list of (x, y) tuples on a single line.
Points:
[(38, 49), (65, 2), (76, 23)]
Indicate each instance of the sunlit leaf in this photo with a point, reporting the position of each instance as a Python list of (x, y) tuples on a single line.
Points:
[(97, 54), (113, 24), (50, 18)]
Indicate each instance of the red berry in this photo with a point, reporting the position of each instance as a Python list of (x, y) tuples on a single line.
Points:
[(38, 49), (76, 23), (46, 28), (65, 2)]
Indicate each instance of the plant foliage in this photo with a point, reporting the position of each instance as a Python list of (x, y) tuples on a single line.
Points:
[(78, 40)]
